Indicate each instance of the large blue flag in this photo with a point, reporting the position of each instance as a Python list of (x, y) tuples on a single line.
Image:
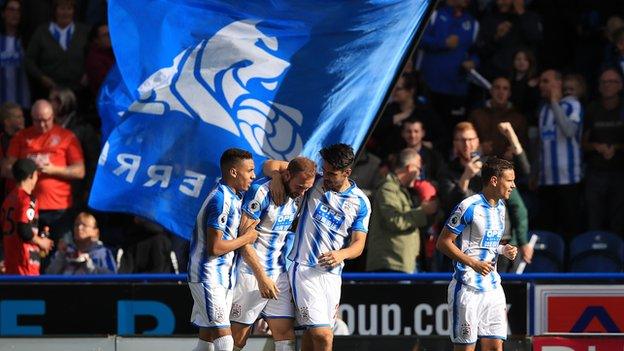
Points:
[(280, 78)]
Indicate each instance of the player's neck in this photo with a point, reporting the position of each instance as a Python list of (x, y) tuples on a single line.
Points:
[(26, 188), (490, 196), (230, 183), (345, 185)]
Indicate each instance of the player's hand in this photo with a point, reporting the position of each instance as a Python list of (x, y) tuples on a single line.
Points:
[(482, 267), (276, 187), (45, 244), (250, 233), (268, 289), (510, 252), (527, 252), (330, 259)]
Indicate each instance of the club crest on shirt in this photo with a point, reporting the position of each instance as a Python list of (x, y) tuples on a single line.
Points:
[(55, 140), (304, 313)]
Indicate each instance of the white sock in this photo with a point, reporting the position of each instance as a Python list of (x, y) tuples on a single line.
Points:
[(203, 345), (224, 343), (285, 345)]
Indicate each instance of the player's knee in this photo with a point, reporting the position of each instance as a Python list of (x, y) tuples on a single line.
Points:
[(321, 336)]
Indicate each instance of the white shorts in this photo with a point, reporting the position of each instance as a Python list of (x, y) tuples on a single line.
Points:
[(475, 314), (211, 305), (248, 305), (316, 294)]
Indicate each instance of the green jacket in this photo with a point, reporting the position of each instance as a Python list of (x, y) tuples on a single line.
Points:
[(394, 238)]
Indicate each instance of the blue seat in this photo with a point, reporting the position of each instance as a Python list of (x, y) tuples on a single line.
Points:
[(597, 251), (548, 253)]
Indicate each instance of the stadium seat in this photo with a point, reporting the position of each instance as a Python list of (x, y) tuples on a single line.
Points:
[(547, 253), (597, 251)]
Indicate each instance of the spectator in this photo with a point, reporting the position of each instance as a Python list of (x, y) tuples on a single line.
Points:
[(86, 255), (574, 85), (21, 241), (58, 156), (14, 87), (524, 80), (508, 27), (616, 59), (497, 110), (366, 172), (100, 58), (56, 52), (463, 179), (147, 249), (65, 106), (603, 141), (405, 104), (12, 118), (394, 239), (560, 126), (446, 57), (432, 164)]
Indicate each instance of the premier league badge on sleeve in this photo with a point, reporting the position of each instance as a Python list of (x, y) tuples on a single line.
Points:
[(455, 219), (254, 205)]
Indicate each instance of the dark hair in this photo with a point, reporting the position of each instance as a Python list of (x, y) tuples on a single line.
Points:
[(66, 99), (494, 167), (231, 157), (21, 23), (412, 120), (23, 169), (7, 108), (302, 164), (340, 156), (93, 33), (532, 72)]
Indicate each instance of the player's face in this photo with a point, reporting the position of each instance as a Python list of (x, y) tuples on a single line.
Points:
[(245, 174), (333, 178), (506, 183), (299, 184)]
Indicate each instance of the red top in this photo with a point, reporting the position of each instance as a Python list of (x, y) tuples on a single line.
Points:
[(60, 147), (19, 257)]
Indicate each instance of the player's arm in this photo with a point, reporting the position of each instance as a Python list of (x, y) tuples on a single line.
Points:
[(217, 246), (332, 259), (267, 287), (446, 245), (274, 169)]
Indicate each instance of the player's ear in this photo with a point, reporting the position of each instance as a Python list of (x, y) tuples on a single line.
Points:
[(233, 172)]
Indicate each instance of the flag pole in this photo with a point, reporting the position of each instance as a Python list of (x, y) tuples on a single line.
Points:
[(408, 53)]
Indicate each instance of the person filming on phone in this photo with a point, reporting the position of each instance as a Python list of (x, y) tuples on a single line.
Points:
[(463, 179)]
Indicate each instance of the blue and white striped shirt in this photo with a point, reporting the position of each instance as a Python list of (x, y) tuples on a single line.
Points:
[(222, 211), (560, 156), (480, 227), (272, 228), (327, 220), (13, 81)]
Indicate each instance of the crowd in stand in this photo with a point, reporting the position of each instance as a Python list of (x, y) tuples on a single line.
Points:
[(537, 82)]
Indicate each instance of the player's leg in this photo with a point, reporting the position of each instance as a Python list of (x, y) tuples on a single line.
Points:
[(246, 307), (463, 305), (322, 338), (199, 317), (204, 343), (493, 320), (217, 305), (280, 315)]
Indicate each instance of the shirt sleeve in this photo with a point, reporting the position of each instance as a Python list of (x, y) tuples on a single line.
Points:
[(74, 150), (14, 146), (460, 218), (256, 200), (362, 218), (24, 213), (217, 212)]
